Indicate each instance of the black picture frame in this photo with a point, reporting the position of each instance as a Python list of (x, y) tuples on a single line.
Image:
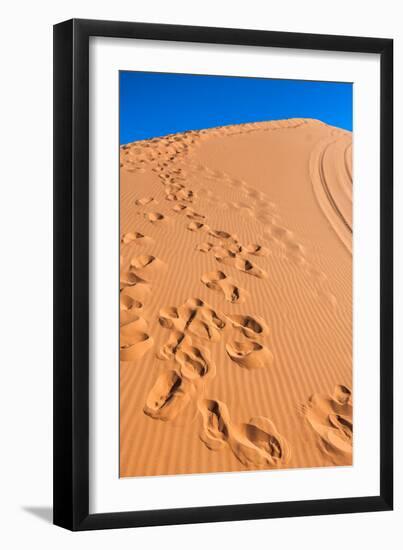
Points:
[(71, 274)]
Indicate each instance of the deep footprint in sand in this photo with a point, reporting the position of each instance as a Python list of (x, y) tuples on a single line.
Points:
[(260, 444), (137, 238), (189, 212), (219, 234), (169, 318), (215, 424), (177, 192), (205, 247), (233, 257), (330, 416), (255, 444), (154, 217), (134, 286), (249, 354), (219, 281), (134, 341), (197, 226), (175, 340), (194, 317), (146, 266), (251, 327), (176, 387), (180, 208), (168, 397), (129, 307), (256, 249), (143, 201), (195, 361), (201, 320), (249, 268)]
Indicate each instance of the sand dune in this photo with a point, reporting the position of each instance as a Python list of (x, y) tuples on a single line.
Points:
[(236, 299)]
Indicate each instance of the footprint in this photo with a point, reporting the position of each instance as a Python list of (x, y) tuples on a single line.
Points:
[(143, 201), (204, 329), (128, 303), (330, 416), (215, 424), (136, 237), (218, 234), (139, 288), (194, 317), (205, 247), (342, 395), (233, 249), (249, 354), (134, 342), (171, 347), (189, 212), (251, 327), (176, 387), (168, 397), (154, 217), (146, 265), (182, 194), (140, 262), (179, 207), (136, 323), (169, 318), (195, 362), (129, 307), (343, 424), (232, 256), (192, 215), (201, 320), (225, 254), (170, 186), (256, 444), (218, 280), (260, 444), (248, 267), (256, 250), (197, 226), (129, 279)]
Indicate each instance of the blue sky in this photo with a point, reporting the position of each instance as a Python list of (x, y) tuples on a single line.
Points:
[(156, 104)]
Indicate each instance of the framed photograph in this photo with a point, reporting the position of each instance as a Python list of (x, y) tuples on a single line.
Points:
[(223, 282)]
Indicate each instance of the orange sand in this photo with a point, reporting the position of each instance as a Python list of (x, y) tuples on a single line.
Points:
[(236, 299)]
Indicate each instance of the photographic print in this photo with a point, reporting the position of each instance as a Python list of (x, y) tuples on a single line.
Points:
[(235, 274)]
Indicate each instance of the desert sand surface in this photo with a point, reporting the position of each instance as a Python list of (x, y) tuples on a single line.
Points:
[(236, 299)]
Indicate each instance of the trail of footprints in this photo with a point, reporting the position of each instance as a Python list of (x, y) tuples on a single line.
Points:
[(165, 156), (194, 326), (259, 207)]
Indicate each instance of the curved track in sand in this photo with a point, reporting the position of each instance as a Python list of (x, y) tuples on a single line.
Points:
[(330, 169)]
